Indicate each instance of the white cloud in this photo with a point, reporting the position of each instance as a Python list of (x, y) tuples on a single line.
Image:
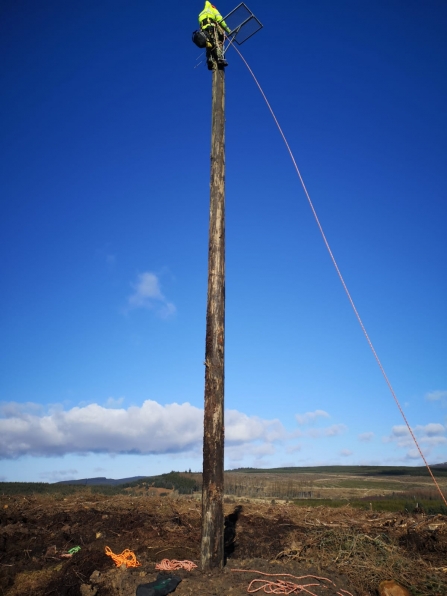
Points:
[(310, 417), (413, 454), (237, 453), (428, 436), (429, 430), (335, 430), (167, 310), (345, 452), (294, 448), (366, 437), (432, 429), (14, 409), (400, 431), (260, 450), (57, 475), (149, 428), (240, 428), (147, 294), (437, 395), (432, 441), (329, 431)]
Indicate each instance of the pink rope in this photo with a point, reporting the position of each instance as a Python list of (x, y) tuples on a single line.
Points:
[(286, 587), (172, 565), (341, 278)]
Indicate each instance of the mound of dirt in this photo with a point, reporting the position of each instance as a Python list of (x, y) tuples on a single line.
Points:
[(350, 552)]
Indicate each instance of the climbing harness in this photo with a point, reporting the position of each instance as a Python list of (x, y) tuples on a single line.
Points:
[(213, 39), (320, 227), (127, 557)]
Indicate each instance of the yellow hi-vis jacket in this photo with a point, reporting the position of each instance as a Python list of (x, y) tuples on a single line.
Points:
[(210, 13)]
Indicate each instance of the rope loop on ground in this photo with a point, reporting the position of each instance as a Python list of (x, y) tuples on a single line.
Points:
[(173, 565), (280, 586)]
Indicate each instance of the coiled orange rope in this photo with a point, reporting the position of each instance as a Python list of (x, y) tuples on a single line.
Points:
[(127, 556), (172, 565)]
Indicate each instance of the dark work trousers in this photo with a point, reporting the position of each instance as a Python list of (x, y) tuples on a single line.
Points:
[(216, 38)]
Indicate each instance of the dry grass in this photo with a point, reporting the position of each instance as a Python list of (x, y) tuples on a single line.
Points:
[(370, 548), (32, 582)]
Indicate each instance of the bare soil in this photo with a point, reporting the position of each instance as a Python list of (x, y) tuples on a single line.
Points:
[(353, 551)]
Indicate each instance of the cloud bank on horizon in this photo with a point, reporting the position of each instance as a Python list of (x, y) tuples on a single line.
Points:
[(147, 429), (152, 428)]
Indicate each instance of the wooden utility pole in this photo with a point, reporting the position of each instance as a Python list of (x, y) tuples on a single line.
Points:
[(212, 554)]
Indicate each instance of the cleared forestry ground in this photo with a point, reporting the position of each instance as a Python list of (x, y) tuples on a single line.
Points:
[(349, 485), (353, 548)]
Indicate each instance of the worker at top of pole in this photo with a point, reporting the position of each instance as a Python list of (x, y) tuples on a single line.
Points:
[(210, 14), (212, 24)]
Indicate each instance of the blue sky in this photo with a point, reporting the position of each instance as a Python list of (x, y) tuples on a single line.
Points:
[(104, 174)]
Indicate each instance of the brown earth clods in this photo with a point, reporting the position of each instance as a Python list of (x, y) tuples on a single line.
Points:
[(354, 551)]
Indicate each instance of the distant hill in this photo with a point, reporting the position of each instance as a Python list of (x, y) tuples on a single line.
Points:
[(441, 470), (183, 483), (101, 481)]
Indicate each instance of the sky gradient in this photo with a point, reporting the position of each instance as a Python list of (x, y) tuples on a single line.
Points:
[(104, 186)]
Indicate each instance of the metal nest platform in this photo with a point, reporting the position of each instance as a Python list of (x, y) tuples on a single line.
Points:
[(243, 24)]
